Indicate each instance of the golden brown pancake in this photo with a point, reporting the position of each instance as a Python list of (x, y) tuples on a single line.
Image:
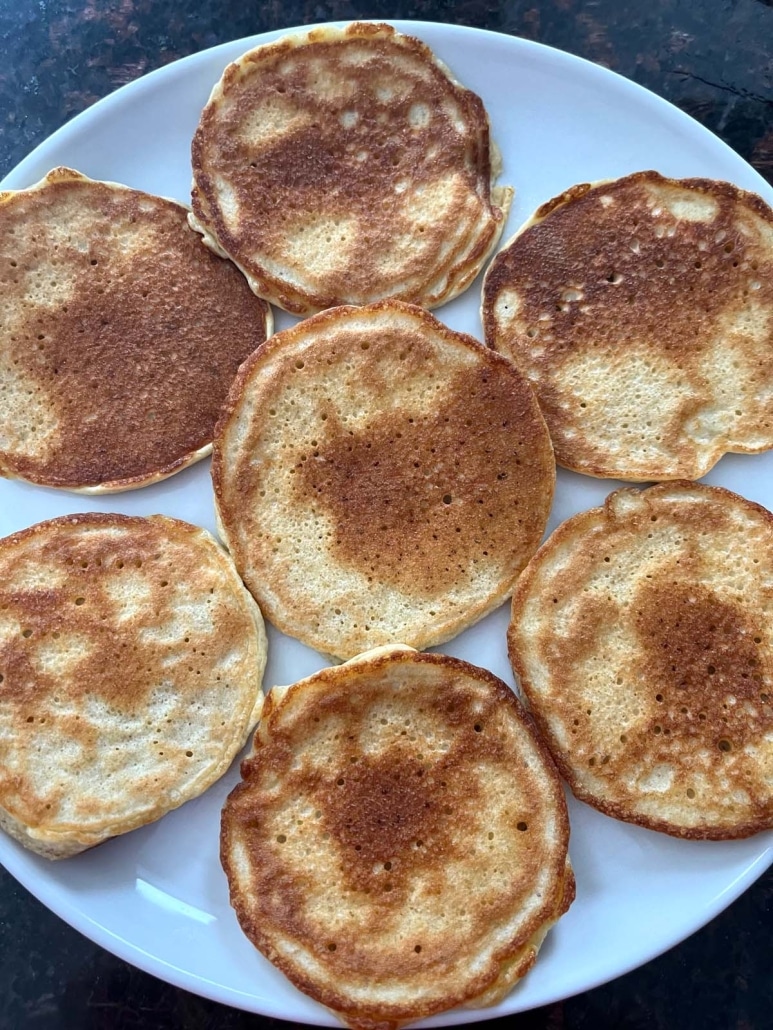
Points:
[(119, 335), (380, 478), (641, 311), (344, 166), (642, 634), (398, 844), (131, 659)]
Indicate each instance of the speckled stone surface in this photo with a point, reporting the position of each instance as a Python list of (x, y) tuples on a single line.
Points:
[(714, 59)]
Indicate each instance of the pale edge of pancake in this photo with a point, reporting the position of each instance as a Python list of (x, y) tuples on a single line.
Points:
[(53, 845), (277, 693), (63, 174), (519, 965), (501, 197)]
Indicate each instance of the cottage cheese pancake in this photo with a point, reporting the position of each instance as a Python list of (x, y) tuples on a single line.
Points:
[(641, 310), (380, 478), (347, 166), (398, 844), (642, 634), (131, 659), (119, 335)]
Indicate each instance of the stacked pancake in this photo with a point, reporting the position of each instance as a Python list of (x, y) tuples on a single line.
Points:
[(119, 335), (639, 310), (398, 844), (131, 659), (347, 166), (642, 635), (380, 478)]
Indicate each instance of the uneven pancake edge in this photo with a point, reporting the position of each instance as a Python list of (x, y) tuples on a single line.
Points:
[(703, 455), (444, 281), (10, 467), (507, 962), (434, 629), (524, 658), (20, 815)]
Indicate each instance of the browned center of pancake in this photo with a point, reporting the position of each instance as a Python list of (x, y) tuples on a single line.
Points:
[(374, 140), (394, 813), (598, 269), (417, 496), (121, 327), (701, 656), (697, 679)]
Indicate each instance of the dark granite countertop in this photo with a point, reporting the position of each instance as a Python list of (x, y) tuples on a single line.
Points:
[(712, 58)]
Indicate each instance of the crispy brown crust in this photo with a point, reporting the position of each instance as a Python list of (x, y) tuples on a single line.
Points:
[(371, 807), (693, 692), (421, 454), (121, 337), (131, 659), (642, 327), (314, 168)]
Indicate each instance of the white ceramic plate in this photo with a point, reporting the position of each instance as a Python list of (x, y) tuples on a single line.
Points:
[(157, 897)]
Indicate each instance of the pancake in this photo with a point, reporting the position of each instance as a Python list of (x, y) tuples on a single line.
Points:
[(380, 478), (398, 843), (131, 659), (345, 166), (642, 634), (641, 311), (119, 335)]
